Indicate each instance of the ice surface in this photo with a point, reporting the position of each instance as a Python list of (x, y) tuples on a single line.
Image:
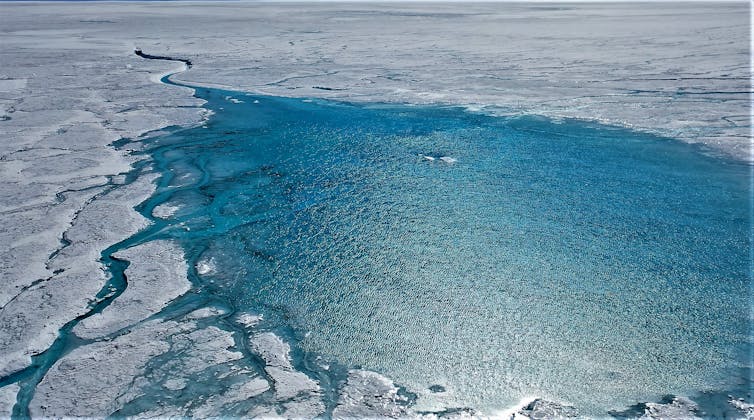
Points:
[(183, 367), (31, 319), (370, 395), (670, 407), (165, 211), (63, 101), (542, 409), (743, 407), (625, 64), (272, 349), (678, 408), (156, 276), (7, 399), (288, 382), (87, 382)]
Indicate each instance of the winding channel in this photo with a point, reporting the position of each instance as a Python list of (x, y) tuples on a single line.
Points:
[(29, 377)]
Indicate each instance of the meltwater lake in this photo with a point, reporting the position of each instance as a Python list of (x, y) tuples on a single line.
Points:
[(474, 260)]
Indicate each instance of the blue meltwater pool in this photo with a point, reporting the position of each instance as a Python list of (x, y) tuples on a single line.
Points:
[(486, 258)]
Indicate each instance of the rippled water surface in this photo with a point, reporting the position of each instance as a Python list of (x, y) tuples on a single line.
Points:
[(575, 262)]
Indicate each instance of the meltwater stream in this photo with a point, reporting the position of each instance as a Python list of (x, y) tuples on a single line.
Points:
[(486, 258)]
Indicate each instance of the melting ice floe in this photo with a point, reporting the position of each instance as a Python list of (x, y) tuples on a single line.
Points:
[(205, 267), (543, 409), (249, 320), (669, 408), (165, 211), (370, 395), (7, 399), (744, 407), (233, 100), (445, 159), (677, 408)]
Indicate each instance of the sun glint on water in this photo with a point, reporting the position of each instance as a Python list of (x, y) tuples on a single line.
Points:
[(489, 258)]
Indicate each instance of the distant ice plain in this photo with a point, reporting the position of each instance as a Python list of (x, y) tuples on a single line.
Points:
[(70, 85)]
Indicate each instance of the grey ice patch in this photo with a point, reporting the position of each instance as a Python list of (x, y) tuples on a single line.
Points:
[(172, 356), (8, 400), (233, 100), (273, 350), (175, 384), (543, 409), (206, 312), (206, 266), (249, 320), (288, 382), (245, 392), (74, 387), (157, 275), (368, 394), (165, 211), (742, 406), (677, 408), (12, 85), (58, 123)]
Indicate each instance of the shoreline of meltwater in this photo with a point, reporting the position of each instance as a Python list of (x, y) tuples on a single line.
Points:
[(277, 202)]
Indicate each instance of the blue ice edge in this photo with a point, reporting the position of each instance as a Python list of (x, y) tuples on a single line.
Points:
[(711, 403)]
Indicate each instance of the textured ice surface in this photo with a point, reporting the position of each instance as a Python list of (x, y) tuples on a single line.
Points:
[(156, 276), (32, 318), (7, 400), (680, 69), (64, 99), (272, 349), (743, 407), (288, 383), (86, 382), (165, 211), (542, 409), (670, 407), (678, 408), (369, 395), (181, 367)]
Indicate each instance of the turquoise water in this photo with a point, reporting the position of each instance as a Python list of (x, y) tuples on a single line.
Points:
[(572, 261)]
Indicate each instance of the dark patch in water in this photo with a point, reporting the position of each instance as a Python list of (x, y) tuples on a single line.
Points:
[(437, 388)]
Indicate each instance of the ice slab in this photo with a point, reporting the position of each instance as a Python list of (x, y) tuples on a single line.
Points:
[(7, 399), (156, 276), (370, 395), (171, 355)]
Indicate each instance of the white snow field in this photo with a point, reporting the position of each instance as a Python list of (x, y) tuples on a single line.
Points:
[(70, 85)]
